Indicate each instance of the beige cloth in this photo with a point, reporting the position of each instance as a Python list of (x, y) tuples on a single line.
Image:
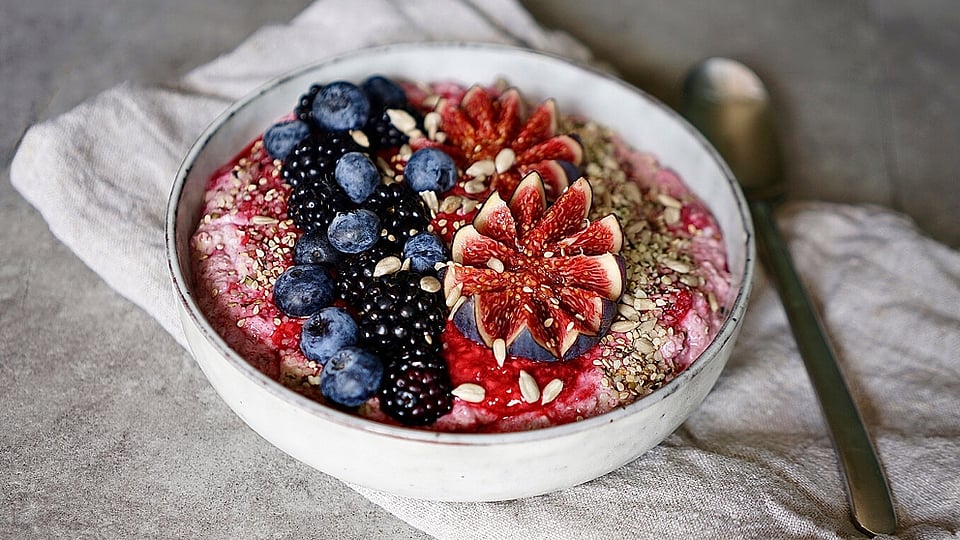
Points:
[(754, 461)]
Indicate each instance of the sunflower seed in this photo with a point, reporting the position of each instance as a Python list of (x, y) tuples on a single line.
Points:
[(360, 138), (504, 160), (671, 215), (628, 312), (431, 121), (263, 220), (406, 264), (432, 100), (551, 391), (644, 304), (469, 205), (484, 167), (430, 284), (454, 295), (430, 198), (528, 387), (500, 351), (469, 392), (387, 265), (495, 264), (644, 345), (402, 120), (450, 204), (456, 306), (679, 267), (548, 322), (475, 186), (668, 201), (623, 326)]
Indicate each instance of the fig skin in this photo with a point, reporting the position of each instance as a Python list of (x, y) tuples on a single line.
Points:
[(525, 346)]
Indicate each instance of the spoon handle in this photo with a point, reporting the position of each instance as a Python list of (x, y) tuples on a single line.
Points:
[(869, 494)]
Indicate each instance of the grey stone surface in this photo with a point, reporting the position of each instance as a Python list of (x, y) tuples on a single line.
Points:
[(111, 429), (867, 90)]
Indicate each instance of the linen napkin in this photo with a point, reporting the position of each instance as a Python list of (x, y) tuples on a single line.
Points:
[(754, 461)]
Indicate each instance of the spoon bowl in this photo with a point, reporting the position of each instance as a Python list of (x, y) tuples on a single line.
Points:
[(731, 106)]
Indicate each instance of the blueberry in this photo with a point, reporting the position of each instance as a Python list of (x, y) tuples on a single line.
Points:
[(326, 332), (281, 138), (354, 231), (314, 248), (382, 92), (424, 250), (303, 290), (357, 175), (430, 169), (341, 106), (351, 377)]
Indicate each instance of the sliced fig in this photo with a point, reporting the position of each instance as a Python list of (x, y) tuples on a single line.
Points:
[(496, 220), (511, 113), (541, 125), (545, 305), (474, 249), (561, 147), (525, 345), (604, 235), (482, 125), (555, 178), (565, 217), (529, 201)]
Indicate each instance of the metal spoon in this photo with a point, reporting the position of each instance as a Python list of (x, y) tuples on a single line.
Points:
[(731, 106)]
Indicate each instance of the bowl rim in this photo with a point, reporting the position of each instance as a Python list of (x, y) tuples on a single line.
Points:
[(187, 304)]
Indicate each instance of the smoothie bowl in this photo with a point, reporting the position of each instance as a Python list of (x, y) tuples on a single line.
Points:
[(457, 271)]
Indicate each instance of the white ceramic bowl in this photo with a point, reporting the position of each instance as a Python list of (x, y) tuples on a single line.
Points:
[(444, 466)]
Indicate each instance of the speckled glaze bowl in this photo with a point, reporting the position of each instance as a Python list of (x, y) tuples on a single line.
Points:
[(445, 466)]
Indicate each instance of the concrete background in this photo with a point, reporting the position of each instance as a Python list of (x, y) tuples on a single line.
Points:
[(110, 430)]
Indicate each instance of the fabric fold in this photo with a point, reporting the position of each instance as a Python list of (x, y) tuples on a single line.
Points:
[(754, 460)]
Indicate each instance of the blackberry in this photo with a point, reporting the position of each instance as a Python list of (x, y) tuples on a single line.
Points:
[(355, 272), (415, 393), (382, 133), (400, 319), (315, 158), (400, 211), (304, 108), (313, 205)]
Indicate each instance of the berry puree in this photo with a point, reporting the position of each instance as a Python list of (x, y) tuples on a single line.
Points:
[(457, 258)]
